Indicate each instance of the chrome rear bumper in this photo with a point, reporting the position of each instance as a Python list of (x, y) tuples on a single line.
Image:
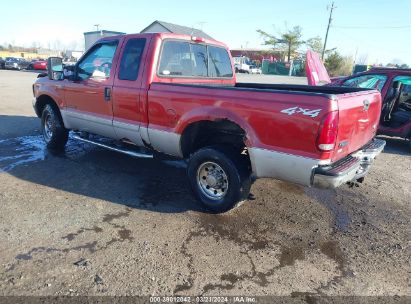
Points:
[(350, 168)]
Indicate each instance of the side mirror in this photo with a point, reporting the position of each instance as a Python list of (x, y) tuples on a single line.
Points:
[(55, 68)]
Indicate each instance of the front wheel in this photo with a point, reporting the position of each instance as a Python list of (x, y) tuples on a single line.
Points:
[(54, 133), (219, 177)]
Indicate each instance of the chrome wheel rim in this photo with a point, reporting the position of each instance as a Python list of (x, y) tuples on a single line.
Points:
[(48, 127), (212, 180)]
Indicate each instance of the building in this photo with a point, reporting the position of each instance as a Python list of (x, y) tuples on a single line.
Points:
[(73, 54), (165, 27), (257, 55), (91, 37)]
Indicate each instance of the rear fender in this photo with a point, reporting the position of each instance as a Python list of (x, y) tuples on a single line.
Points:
[(215, 114)]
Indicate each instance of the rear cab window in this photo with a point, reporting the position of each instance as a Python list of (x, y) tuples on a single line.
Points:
[(186, 59), (368, 81)]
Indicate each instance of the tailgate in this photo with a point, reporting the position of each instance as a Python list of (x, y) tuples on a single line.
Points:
[(359, 115)]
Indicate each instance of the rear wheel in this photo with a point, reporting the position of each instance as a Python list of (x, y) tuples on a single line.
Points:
[(219, 177), (54, 133)]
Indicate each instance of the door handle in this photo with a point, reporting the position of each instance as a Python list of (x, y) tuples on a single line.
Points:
[(107, 94)]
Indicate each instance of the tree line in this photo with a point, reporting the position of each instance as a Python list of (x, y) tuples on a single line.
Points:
[(290, 40)]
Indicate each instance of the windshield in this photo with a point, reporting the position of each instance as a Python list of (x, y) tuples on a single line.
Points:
[(369, 81)]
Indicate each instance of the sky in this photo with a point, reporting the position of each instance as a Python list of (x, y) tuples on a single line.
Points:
[(377, 31)]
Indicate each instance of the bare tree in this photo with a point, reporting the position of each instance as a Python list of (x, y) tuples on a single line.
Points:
[(362, 59)]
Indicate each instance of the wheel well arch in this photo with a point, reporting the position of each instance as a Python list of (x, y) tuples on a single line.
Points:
[(44, 100), (203, 133)]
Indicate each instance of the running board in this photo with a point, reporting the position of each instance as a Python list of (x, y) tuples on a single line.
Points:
[(124, 151)]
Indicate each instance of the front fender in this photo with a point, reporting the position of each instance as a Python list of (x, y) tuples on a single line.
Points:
[(53, 89)]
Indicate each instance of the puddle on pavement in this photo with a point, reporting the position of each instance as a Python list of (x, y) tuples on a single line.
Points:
[(23, 150), (290, 255), (71, 236), (108, 218), (333, 251), (125, 235), (234, 227), (329, 199)]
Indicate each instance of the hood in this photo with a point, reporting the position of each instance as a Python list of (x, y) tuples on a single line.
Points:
[(315, 69)]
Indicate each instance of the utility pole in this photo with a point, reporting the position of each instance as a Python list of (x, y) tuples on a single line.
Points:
[(97, 26), (328, 28)]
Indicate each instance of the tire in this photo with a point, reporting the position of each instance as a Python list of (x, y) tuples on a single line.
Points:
[(54, 133), (219, 177)]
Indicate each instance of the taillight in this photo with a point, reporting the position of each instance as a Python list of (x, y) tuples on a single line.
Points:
[(327, 134)]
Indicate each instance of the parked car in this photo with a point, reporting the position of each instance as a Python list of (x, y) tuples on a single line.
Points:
[(395, 88), (156, 93), (254, 70), (16, 63), (40, 64), (2, 64), (69, 61), (242, 64)]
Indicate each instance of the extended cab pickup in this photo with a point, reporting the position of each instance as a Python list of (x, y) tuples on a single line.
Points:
[(178, 95)]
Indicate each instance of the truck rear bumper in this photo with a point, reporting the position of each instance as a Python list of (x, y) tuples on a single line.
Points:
[(350, 168)]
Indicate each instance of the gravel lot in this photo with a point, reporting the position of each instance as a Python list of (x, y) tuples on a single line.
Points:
[(93, 222)]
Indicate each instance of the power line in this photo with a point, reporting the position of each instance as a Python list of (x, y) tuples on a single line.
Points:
[(328, 28), (370, 27)]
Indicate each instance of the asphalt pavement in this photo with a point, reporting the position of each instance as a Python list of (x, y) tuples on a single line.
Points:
[(93, 222)]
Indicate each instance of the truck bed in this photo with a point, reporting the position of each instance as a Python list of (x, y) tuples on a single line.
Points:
[(264, 107), (300, 88)]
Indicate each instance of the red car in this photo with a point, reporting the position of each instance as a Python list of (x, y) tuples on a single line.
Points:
[(395, 88), (178, 95), (38, 65)]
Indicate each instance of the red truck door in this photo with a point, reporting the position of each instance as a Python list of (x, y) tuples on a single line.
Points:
[(129, 110), (89, 98)]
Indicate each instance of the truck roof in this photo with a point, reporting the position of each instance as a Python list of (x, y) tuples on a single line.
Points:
[(388, 69), (169, 36)]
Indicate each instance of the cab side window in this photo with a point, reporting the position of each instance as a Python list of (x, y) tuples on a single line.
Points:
[(366, 81), (181, 58), (130, 61), (97, 63)]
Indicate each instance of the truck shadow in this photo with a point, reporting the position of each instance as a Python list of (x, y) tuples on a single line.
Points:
[(396, 145), (86, 170)]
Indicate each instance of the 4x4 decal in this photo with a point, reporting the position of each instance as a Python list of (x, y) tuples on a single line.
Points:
[(307, 112)]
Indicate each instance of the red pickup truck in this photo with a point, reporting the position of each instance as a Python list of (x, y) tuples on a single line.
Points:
[(178, 95)]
